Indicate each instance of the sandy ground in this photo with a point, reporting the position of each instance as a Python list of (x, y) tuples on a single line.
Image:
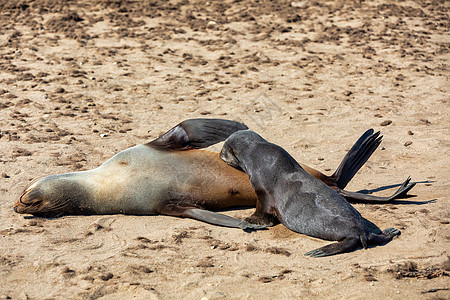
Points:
[(80, 82)]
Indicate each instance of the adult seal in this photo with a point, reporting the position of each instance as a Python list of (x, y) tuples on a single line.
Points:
[(167, 176), (172, 176), (288, 194)]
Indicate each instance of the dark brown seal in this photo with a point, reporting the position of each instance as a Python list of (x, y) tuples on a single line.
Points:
[(288, 194)]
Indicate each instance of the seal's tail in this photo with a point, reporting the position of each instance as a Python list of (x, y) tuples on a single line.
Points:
[(351, 243), (197, 133), (356, 157)]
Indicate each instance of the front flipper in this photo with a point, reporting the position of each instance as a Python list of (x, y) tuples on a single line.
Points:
[(219, 219), (201, 215), (197, 133), (360, 197)]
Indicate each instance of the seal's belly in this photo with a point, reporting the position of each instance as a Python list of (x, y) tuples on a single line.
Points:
[(141, 179)]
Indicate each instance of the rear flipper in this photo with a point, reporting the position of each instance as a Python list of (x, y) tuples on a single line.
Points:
[(386, 236), (346, 245), (197, 133), (350, 244), (359, 197), (356, 157)]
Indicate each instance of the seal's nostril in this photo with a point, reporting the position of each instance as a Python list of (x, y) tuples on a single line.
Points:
[(15, 208)]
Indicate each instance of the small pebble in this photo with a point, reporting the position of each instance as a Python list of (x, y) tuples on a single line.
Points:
[(386, 123), (410, 132), (107, 276), (212, 25), (4, 175), (299, 4), (348, 93), (408, 143), (369, 277)]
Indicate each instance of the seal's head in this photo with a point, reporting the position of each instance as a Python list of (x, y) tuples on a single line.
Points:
[(237, 145), (52, 196), (229, 156)]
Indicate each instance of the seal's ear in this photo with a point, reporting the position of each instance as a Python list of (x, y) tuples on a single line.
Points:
[(197, 133)]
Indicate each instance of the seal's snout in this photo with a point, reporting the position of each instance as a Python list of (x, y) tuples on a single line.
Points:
[(226, 154), (15, 208), (222, 154)]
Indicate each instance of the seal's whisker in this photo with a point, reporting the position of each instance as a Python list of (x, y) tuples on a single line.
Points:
[(56, 206)]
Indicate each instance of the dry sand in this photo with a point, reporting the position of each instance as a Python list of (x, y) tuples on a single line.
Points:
[(80, 82)]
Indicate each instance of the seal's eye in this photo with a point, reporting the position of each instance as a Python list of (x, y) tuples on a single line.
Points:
[(233, 155), (31, 198)]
